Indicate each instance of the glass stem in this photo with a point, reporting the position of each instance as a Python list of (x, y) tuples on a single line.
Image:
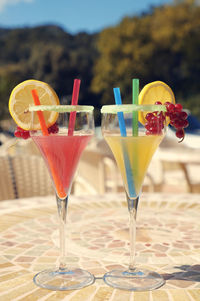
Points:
[(62, 214), (132, 208)]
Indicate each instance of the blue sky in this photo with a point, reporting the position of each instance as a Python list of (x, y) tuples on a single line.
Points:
[(73, 15)]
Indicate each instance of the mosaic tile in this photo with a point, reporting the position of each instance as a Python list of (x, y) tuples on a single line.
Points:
[(160, 295), (24, 259), (19, 291), (15, 282), (140, 296), (103, 293)]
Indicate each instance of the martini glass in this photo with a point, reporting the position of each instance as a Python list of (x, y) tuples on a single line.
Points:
[(61, 146), (133, 144)]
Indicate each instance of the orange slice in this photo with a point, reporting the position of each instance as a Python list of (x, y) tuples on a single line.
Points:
[(152, 92), (21, 98)]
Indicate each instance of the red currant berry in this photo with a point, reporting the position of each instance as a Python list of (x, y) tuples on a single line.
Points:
[(180, 134), (17, 134), (147, 126), (25, 135), (178, 124), (185, 123), (149, 116), (170, 107), (155, 131), (148, 133), (183, 115), (53, 129), (154, 120), (173, 116), (178, 107)]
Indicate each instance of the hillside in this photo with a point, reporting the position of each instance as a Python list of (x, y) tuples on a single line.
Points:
[(46, 53)]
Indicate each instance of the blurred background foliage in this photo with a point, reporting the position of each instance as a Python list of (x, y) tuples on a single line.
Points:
[(162, 44)]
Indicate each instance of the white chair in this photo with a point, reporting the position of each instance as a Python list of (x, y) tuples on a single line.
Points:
[(7, 188), (31, 176)]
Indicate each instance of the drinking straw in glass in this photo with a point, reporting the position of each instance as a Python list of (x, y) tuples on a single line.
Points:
[(74, 102), (120, 115), (135, 93)]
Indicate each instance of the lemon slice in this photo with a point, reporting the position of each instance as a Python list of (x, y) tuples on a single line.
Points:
[(152, 92), (21, 98)]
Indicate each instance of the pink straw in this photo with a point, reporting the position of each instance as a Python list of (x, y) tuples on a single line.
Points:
[(72, 117)]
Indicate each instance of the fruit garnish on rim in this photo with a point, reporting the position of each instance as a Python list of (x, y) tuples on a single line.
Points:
[(21, 99), (159, 93)]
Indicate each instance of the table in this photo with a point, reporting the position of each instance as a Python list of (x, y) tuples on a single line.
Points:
[(168, 241), (187, 159)]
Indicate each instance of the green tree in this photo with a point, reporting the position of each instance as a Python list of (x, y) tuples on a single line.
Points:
[(161, 45), (9, 77), (49, 54)]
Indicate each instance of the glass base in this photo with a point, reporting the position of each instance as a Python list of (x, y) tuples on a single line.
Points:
[(136, 280), (63, 279)]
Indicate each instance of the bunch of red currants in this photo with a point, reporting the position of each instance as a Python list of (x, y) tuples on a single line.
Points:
[(178, 119), (21, 133)]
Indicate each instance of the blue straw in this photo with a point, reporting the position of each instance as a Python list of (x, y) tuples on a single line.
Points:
[(120, 115), (122, 126)]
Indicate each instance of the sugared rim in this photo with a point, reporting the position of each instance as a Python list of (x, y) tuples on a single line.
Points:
[(62, 108), (114, 109)]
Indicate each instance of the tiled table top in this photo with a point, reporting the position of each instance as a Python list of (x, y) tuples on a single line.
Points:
[(168, 241)]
